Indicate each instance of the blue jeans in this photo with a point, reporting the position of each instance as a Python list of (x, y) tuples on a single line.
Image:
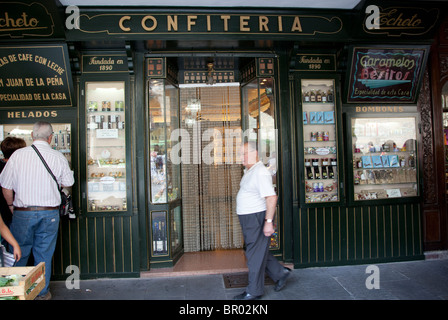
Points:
[(36, 231)]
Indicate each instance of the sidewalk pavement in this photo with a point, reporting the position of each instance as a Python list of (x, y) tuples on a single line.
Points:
[(412, 280)]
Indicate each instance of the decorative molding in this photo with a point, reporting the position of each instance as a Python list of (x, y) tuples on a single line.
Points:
[(425, 109)]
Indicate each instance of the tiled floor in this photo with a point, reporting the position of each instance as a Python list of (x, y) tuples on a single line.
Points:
[(206, 262)]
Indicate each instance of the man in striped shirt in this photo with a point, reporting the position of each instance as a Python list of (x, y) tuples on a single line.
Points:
[(33, 197)]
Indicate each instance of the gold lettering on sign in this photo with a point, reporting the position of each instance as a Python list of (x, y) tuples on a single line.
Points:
[(394, 19), (379, 109), (32, 114), (172, 23), (244, 22), (296, 26), (20, 23), (280, 24), (263, 23), (154, 23), (120, 23), (191, 21), (209, 24), (159, 23), (226, 22)]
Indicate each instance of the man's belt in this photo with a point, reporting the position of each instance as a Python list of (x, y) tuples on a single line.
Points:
[(35, 208)]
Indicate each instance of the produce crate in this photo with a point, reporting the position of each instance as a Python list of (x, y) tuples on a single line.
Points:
[(31, 276)]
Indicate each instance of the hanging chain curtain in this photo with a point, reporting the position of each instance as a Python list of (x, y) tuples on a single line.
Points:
[(209, 190)]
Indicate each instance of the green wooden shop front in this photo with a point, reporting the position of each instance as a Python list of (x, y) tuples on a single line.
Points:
[(308, 57)]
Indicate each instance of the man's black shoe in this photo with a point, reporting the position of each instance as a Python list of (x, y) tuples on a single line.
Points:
[(246, 296), (281, 283)]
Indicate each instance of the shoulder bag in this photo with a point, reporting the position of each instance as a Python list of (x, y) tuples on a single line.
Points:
[(66, 206)]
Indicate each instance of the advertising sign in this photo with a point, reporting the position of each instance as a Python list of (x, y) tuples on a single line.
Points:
[(35, 76), (386, 75)]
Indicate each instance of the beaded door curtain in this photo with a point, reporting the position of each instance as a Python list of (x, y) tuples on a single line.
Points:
[(211, 176)]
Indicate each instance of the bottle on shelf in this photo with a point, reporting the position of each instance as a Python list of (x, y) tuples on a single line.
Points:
[(402, 162), (318, 96), (324, 168), (324, 96), (312, 96), (309, 172), (411, 160), (330, 172), (306, 96), (316, 168), (330, 97)]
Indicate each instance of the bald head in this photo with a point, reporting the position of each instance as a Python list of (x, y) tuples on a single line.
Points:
[(249, 154)]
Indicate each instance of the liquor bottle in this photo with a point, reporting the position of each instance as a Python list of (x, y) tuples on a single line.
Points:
[(316, 169), (312, 96), (318, 96), (68, 139), (324, 96), (309, 172), (411, 160), (306, 97), (56, 141), (330, 97), (324, 168), (402, 162), (62, 139), (330, 172)]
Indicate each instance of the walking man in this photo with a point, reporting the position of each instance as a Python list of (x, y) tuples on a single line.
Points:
[(255, 205), (27, 185)]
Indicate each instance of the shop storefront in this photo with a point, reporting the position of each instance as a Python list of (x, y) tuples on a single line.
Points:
[(151, 104)]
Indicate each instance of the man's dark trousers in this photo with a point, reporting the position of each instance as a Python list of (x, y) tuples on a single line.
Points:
[(259, 259)]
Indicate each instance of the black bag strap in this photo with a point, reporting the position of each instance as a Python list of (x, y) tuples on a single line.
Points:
[(46, 166)]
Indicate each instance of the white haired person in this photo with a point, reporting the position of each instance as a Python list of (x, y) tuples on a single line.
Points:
[(255, 205), (28, 185)]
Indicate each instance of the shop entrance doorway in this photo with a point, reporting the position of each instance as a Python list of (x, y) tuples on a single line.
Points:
[(197, 123), (211, 114)]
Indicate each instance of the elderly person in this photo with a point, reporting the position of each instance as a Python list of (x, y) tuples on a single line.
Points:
[(35, 197), (255, 205)]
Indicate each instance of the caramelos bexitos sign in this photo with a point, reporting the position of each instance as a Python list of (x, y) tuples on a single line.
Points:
[(385, 74)]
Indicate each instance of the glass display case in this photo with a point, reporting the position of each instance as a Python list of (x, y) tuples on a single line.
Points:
[(320, 139), (61, 136), (164, 119), (106, 146), (165, 174), (258, 122), (384, 157)]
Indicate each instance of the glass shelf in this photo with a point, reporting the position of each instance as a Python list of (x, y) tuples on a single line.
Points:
[(320, 141), (384, 158), (106, 146)]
